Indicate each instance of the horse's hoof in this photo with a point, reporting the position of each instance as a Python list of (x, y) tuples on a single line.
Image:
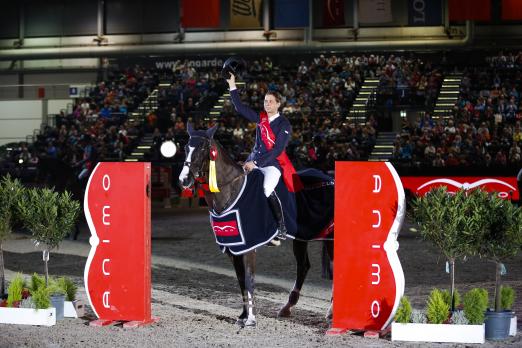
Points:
[(240, 322), (284, 312), (250, 323)]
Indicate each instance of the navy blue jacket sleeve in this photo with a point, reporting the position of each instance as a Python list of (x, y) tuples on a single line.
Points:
[(244, 110), (282, 139)]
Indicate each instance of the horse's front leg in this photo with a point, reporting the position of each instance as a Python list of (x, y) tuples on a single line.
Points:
[(239, 267), (250, 269), (300, 249)]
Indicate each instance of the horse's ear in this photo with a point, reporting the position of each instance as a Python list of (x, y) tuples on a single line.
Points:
[(190, 129), (211, 131)]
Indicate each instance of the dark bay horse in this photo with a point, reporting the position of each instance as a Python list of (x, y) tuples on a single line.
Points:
[(231, 177)]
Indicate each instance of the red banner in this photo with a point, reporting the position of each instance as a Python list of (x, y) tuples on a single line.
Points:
[(511, 10), (200, 13), (368, 277), (117, 274), (333, 13), (475, 10), (505, 186)]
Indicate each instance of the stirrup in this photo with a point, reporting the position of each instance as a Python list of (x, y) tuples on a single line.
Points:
[(281, 233)]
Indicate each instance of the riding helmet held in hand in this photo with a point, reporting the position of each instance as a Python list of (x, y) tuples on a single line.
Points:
[(234, 65)]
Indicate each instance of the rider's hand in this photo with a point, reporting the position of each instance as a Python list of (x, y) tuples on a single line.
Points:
[(231, 81), (249, 166)]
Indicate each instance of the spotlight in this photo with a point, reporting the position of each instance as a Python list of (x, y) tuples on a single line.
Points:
[(168, 149), (20, 161)]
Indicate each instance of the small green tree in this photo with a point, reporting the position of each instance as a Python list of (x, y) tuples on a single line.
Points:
[(437, 310), (403, 314), (49, 215), (11, 191), (501, 236), (447, 297), (507, 297), (450, 222), (475, 304)]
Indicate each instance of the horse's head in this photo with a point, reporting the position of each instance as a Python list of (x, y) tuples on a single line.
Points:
[(197, 155)]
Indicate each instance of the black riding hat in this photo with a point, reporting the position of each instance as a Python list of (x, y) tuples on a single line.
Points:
[(234, 65)]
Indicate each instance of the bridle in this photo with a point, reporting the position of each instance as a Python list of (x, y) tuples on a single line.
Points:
[(201, 176)]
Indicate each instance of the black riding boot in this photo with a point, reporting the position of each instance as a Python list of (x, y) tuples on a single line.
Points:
[(277, 210)]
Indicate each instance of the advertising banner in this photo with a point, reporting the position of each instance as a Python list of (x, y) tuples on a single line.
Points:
[(504, 185)]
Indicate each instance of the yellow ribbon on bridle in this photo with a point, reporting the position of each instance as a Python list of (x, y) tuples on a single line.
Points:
[(212, 179)]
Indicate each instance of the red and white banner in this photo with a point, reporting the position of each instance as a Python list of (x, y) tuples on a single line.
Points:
[(375, 11), (368, 278), (506, 186), (117, 274)]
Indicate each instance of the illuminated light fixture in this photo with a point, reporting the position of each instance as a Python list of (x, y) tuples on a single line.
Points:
[(168, 149)]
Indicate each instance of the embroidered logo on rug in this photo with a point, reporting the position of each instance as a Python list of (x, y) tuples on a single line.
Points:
[(227, 228)]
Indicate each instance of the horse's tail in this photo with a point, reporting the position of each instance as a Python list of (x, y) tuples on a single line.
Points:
[(327, 260)]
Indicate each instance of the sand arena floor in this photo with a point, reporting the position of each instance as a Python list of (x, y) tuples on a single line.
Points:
[(196, 297)]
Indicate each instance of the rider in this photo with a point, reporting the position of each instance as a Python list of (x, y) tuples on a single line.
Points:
[(270, 125)]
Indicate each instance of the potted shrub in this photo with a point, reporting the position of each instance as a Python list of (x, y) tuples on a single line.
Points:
[(14, 291), (33, 310), (501, 240), (507, 298), (49, 216), (450, 222), (73, 308), (437, 323), (57, 297), (10, 193)]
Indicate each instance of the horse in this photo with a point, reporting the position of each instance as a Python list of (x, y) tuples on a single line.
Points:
[(200, 150)]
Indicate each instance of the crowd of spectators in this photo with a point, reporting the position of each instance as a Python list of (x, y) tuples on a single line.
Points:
[(484, 128), (316, 97), (97, 129), (317, 94), (407, 81)]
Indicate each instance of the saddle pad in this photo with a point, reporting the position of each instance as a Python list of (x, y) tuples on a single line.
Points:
[(249, 222)]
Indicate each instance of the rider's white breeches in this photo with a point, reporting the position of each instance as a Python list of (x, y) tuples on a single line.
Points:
[(272, 175)]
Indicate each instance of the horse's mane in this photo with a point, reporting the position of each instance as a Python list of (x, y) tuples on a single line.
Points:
[(225, 155)]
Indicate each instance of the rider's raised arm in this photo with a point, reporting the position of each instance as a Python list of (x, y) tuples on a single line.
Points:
[(244, 110), (282, 139)]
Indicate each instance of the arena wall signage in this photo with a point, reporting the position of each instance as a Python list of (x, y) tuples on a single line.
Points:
[(504, 185), (368, 277), (118, 274)]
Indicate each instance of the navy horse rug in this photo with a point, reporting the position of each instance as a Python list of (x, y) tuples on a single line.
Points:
[(249, 222)]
